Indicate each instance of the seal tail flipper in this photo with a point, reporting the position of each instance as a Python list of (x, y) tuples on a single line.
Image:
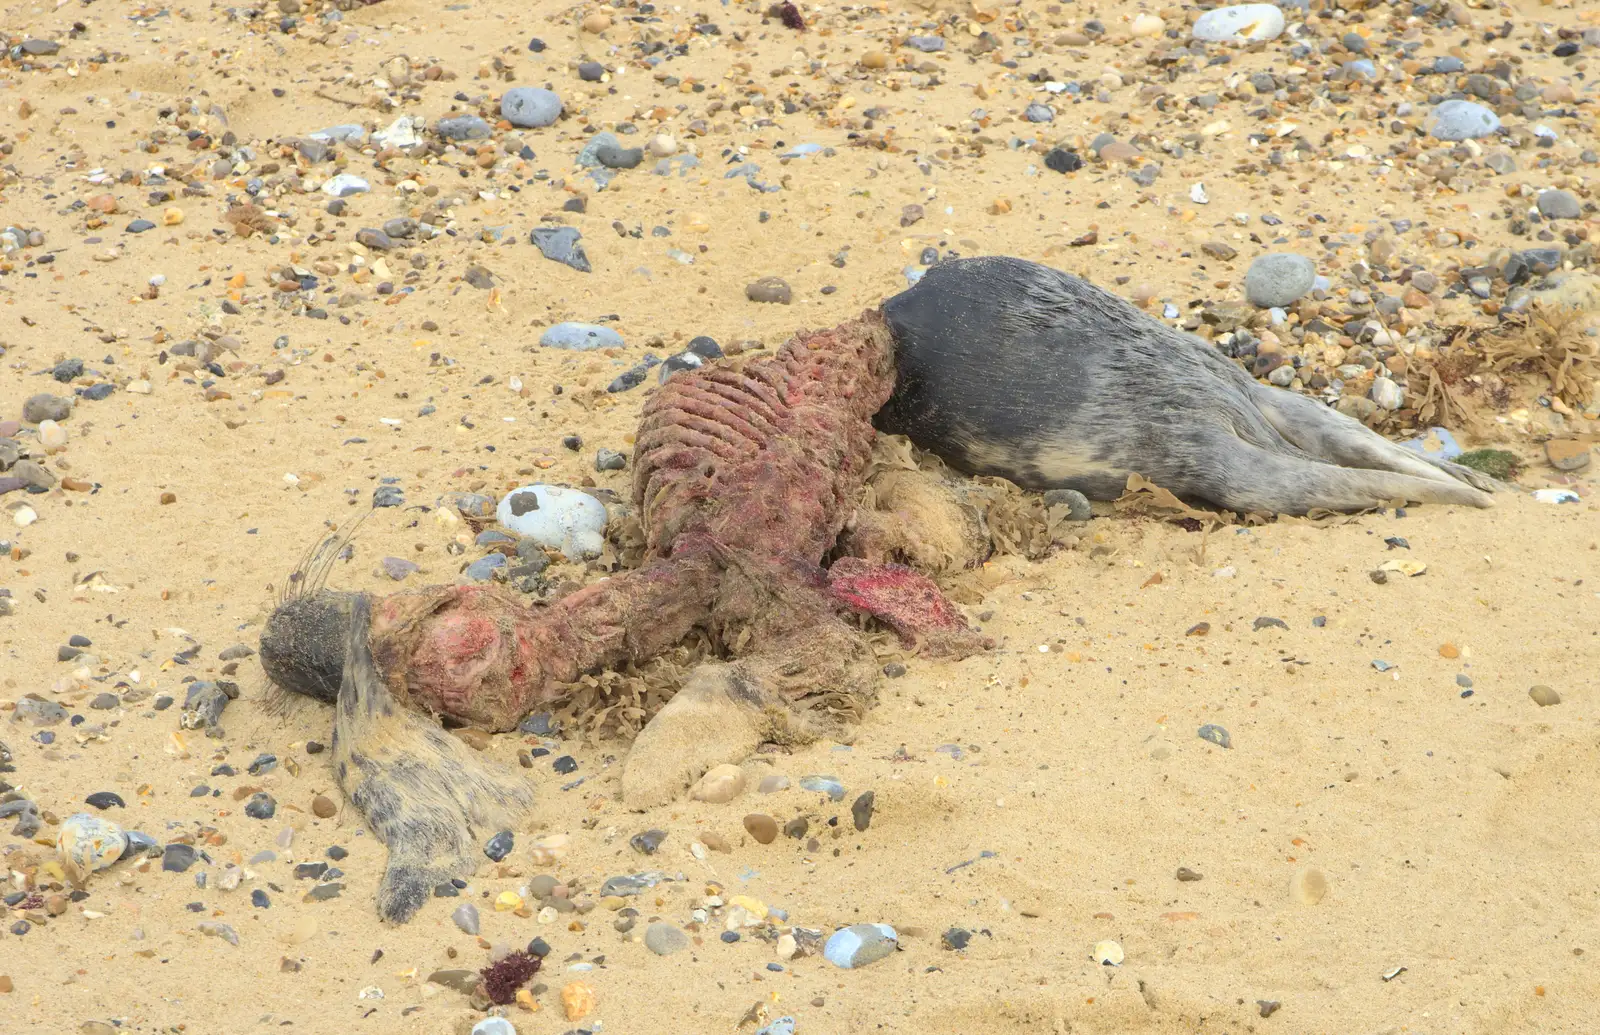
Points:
[(1250, 477), (1323, 431), (422, 791)]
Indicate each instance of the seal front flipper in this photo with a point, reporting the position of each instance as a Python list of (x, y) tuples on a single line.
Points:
[(422, 791)]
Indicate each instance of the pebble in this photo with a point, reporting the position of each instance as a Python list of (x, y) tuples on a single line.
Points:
[(1387, 394), (721, 784), (1558, 204), (859, 945), (772, 783), (762, 827), (769, 289), (782, 1026), (1187, 875), (494, 1026), (646, 842), (1279, 279), (464, 127), (261, 806), (1240, 22), (1461, 120), (1216, 735), (1567, 454), (577, 1001), (1544, 696), (483, 569), (466, 918), (398, 568), (926, 44), (560, 244), (44, 406), (214, 929), (665, 939), (956, 938), (555, 518), (1308, 886), (105, 800), (346, 185), (87, 843), (1077, 503), (861, 810), (580, 337), (529, 107), (499, 846)]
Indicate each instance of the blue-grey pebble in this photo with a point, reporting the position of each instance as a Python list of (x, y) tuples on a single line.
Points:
[(530, 107), (1461, 120), (1279, 279), (464, 127), (580, 337)]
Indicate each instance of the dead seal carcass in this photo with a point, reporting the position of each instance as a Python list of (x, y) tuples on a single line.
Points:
[(745, 476), (1014, 369)]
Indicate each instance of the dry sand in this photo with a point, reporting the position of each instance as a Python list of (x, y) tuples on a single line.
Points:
[(1455, 835)]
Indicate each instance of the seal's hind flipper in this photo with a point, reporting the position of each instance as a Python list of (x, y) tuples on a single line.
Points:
[(1325, 432), (422, 791), (1250, 477)]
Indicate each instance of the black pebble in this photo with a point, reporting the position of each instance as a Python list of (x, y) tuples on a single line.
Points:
[(336, 853), (177, 858), (200, 791), (310, 871), (260, 806), (259, 899), (79, 640), (730, 936), (566, 764), (1063, 161), (894, 670), (499, 846), (539, 947), (162, 703), (106, 799), (445, 891), (536, 45), (262, 764), (314, 747), (956, 938), (224, 770)]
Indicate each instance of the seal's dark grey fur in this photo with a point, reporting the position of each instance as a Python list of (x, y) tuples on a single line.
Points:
[(1010, 368)]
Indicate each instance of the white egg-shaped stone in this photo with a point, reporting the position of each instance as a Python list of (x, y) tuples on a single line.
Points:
[(568, 520)]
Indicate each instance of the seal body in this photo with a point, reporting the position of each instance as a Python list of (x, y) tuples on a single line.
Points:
[(1010, 368)]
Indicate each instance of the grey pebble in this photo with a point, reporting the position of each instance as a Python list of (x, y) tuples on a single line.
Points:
[(1037, 112), (529, 107), (1461, 120), (580, 337), (664, 939), (769, 289), (614, 157), (1279, 279), (464, 127), (44, 407), (466, 918), (499, 846), (861, 810), (1077, 503), (609, 460), (1558, 204), (483, 569), (646, 842), (926, 44), (591, 71), (398, 568), (1216, 735), (260, 806), (560, 244)]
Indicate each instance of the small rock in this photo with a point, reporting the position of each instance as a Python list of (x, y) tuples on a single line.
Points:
[(1216, 735), (860, 944), (346, 185), (498, 847), (555, 518), (761, 827), (219, 930), (529, 107), (769, 289), (43, 407), (260, 806), (103, 800), (665, 939), (580, 337), (1544, 696), (956, 938), (1241, 22), (466, 918), (1558, 204), (1187, 875), (646, 842), (1279, 279), (823, 785), (560, 244), (1077, 503), (1387, 394), (772, 783), (1461, 120), (494, 1026), (463, 127), (722, 784), (861, 810), (1062, 160), (87, 843)]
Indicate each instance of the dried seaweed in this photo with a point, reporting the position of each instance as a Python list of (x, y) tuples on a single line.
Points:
[(1546, 340)]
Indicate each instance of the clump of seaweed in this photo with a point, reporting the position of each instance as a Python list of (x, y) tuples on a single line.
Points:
[(1547, 340), (1496, 463), (501, 980)]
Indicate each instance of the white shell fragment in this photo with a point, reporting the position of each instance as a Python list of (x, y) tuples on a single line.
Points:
[(1107, 953), (557, 519)]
